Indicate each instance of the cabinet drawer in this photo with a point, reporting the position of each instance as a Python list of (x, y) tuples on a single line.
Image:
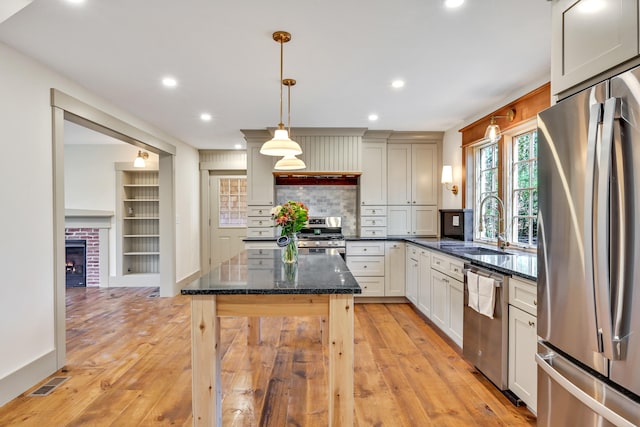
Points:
[(261, 246), (259, 222), (371, 286), (373, 221), (524, 295), (413, 251), (373, 231), (260, 232), (366, 265), (365, 248), (452, 267), (264, 211), (373, 211)]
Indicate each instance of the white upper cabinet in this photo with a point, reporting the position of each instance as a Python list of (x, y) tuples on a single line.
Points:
[(399, 174), (412, 174), (589, 38), (412, 220), (373, 181), (260, 190)]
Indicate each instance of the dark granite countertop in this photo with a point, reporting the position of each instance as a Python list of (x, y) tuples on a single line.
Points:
[(511, 261), (261, 271)]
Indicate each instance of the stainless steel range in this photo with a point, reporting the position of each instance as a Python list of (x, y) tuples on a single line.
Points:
[(322, 233)]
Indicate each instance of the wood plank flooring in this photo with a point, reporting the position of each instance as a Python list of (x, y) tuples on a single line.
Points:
[(129, 359)]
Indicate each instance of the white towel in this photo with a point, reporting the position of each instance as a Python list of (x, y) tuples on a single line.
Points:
[(486, 296), (472, 286)]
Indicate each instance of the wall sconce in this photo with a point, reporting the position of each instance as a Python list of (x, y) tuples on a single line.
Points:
[(493, 133), (139, 162), (447, 178)]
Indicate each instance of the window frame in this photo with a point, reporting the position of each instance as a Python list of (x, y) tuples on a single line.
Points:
[(505, 181), (219, 193)]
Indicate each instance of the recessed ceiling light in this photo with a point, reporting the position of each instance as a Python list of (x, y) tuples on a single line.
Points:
[(453, 3), (205, 117), (373, 117), (75, 1), (238, 146), (169, 82), (397, 83)]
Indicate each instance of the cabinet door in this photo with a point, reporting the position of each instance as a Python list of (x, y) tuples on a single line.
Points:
[(371, 286), (439, 300), (412, 272), (588, 42), (394, 269), (399, 174), (399, 220), (522, 350), (424, 177), (424, 220), (456, 310), (424, 283), (373, 181), (259, 176)]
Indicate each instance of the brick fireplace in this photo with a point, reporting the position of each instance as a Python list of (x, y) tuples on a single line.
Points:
[(92, 238)]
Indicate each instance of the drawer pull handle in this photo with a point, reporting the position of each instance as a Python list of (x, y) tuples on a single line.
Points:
[(364, 266), (365, 249), (532, 323), (535, 302)]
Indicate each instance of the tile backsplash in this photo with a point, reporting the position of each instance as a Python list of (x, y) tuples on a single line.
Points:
[(325, 200)]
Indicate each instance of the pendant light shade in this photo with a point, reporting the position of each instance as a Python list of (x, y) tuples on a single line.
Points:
[(139, 162), (281, 144), (288, 163)]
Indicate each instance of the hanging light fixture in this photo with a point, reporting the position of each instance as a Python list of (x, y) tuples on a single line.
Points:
[(289, 162), (139, 162), (493, 132), (281, 145)]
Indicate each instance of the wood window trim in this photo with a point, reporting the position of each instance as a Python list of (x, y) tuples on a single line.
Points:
[(527, 107)]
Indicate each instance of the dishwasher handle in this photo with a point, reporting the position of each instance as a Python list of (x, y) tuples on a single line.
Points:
[(497, 278)]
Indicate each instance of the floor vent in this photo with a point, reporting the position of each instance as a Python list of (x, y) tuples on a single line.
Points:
[(49, 386)]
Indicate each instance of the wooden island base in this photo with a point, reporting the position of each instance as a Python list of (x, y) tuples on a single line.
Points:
[(205, 313)]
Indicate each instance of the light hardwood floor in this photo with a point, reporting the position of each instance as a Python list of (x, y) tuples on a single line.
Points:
[(129, 363)]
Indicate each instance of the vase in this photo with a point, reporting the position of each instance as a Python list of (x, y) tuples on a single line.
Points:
[(290, 251)]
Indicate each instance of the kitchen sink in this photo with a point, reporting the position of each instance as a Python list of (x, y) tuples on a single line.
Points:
[(478, 251)]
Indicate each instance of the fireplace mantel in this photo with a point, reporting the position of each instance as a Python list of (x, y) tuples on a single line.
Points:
[(87, 218)]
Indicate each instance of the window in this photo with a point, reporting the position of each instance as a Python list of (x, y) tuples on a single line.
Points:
[(232, 202), (520, 174), (524, 189), (486, 185)]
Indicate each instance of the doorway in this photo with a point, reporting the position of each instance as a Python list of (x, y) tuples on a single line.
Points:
[(228, 213), (65, 107)]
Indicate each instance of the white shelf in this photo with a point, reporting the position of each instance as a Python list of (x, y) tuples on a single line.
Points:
[(140, 185), (141, 200), (140, 235), (141, 217)]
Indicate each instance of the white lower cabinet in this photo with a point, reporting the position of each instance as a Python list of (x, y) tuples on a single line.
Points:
[(523, 341), (394, 258), (447, 295), (413, 273), (366, 262), (424, 283)]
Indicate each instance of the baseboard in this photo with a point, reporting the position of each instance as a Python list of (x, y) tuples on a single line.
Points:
[(379, 300), (26, 377)]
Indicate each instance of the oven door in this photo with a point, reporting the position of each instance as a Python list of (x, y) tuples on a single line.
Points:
[(341, 251)]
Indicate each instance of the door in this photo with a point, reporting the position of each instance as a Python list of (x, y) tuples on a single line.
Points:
[(439, 300), (399, 174), (566, 306), (228, 215), (625, 236), (424, 285), (424, 165), (373, 181)]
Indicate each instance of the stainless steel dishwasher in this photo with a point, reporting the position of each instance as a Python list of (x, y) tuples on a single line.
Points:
[(486, 340)]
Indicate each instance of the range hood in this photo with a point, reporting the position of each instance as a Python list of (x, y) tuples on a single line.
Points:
[(316, 178)]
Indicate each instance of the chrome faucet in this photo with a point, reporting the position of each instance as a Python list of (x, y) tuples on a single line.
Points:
[(502, 238)]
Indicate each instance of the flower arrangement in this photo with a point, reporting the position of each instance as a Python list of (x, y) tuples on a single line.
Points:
[(290, 216)]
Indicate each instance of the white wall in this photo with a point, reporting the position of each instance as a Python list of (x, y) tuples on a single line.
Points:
[(452, 155), (26, 246)]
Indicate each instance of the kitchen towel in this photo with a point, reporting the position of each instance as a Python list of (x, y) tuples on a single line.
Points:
[(486, 296), (472, 287)]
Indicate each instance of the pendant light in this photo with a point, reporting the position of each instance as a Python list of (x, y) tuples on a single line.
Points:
[(281, 145), (289, 162), (493, 133)]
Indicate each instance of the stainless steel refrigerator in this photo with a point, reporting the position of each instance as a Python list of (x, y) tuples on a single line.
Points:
[(589, 257)]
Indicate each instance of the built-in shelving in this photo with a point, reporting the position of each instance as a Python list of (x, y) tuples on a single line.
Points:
[(138, 218)]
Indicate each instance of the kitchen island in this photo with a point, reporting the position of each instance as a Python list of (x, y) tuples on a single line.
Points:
[(254, 284)]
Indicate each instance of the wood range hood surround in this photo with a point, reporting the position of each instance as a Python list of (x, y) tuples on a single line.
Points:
[(316, 178)]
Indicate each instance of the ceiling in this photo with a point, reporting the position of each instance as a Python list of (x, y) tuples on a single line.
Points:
[(457, 63)]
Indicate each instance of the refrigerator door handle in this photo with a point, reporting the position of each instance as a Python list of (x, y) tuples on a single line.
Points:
[(578, 393), (595, 119), (603, 291)]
